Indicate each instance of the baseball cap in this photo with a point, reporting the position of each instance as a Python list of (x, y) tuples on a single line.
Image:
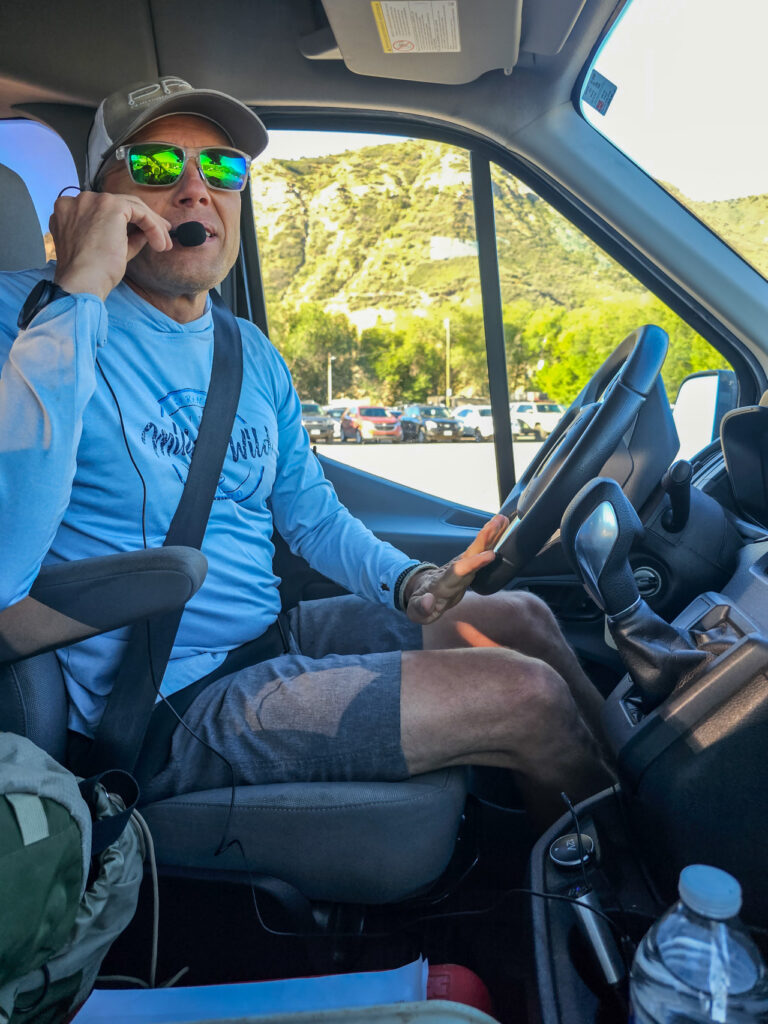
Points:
[(122, 113)]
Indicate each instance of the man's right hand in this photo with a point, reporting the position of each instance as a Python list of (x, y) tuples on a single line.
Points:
[(94, 239)]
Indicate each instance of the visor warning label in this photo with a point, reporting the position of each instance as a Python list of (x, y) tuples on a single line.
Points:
[(417, 26)]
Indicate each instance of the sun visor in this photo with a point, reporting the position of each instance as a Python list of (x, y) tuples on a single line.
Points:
[(444, 41)]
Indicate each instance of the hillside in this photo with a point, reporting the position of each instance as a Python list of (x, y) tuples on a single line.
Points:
[(391, 227)]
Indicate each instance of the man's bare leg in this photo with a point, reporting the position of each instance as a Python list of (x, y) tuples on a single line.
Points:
[(523, 622), (492, 706)]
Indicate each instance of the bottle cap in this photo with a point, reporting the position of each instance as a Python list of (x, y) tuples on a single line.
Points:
[(709, 891)]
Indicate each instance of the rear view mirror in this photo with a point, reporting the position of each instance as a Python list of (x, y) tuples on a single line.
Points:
[(702, 401)]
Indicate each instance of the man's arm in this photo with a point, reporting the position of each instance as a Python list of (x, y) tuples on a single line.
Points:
[(46, 382), (49, 374), (315, 524)]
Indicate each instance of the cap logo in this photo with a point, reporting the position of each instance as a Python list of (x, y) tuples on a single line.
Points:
[(150, 93)]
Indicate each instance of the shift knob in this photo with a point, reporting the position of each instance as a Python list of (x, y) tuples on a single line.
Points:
[(597, 531)]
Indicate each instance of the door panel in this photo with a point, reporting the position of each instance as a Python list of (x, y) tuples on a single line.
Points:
[(424, 527)]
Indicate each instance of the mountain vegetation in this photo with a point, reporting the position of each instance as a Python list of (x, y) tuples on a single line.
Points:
[(369, 261)]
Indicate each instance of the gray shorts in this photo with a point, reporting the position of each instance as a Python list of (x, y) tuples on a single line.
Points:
[(327, 711)]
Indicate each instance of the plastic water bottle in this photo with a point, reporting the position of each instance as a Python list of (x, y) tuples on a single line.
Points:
[(698, 963)]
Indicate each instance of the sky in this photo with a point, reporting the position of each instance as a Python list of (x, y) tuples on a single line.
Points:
[(40, 157), (294, 145), (692, 85)]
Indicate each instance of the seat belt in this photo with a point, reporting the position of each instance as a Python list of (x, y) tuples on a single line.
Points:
[(121, 731)]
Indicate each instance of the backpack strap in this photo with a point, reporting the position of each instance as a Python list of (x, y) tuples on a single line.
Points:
[(107, 830), (120, 732)]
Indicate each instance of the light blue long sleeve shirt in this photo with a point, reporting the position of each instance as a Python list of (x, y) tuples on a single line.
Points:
[(70, 433)]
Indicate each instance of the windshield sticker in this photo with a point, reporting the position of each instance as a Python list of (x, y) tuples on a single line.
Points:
[(599, 92), (418, 26)]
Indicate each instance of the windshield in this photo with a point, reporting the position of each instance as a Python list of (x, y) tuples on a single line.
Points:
[(433, 410), (680, 88), (311, 407), (373, 410)]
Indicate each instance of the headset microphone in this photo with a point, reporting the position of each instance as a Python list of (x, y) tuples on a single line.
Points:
[(190, 233)]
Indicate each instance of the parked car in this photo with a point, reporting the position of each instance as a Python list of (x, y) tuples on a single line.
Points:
[(477, 421), (430, 423), (335, 412), (537, 419), (361, 423), (317, 423)]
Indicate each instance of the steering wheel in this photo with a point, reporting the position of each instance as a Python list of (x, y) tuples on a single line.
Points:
[(575, 452)]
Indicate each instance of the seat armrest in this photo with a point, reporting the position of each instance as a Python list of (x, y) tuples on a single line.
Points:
[(76, 600)]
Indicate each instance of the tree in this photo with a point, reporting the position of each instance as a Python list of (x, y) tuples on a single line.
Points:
[(526, 332), (306, 337), (401, 364), (584, 337)]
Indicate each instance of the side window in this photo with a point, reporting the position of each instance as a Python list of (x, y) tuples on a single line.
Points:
[(41, 158), (370, 267), (567, 305)]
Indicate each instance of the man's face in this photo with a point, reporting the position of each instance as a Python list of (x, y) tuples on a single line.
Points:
[(183, 271)]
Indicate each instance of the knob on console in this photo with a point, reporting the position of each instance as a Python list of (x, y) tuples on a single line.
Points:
[(568, 853)]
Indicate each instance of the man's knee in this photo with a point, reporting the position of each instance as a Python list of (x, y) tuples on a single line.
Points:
[(532, 615), (490, 701), (511, 685)]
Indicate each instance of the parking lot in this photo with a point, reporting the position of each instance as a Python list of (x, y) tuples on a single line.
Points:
[(464, 472)]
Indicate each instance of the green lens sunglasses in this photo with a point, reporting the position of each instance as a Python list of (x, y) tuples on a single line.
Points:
[(160, 164)]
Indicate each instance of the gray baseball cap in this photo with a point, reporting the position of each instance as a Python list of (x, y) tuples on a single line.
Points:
[(122, 113)]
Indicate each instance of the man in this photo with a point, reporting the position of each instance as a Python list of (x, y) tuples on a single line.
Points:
[(365, 691)]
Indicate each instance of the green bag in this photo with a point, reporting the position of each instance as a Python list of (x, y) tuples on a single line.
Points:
[(56, 926)]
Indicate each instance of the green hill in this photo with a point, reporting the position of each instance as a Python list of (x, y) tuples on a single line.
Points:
[(391, 227), (366, 252)]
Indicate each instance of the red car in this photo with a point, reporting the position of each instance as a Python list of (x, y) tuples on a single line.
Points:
[(362, 423)]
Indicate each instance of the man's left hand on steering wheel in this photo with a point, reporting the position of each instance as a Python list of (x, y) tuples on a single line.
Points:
[(431, 592)]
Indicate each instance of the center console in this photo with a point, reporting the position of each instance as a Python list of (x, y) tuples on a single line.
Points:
[(694, 770), (692, 756)]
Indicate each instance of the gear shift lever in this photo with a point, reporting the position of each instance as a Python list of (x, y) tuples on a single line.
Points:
[(597, 531)]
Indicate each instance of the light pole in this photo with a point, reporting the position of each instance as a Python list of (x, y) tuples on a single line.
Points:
[(448, 392), (330, 377)]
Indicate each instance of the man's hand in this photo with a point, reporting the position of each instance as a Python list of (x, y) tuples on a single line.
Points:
[(97, 233), (431, 592)]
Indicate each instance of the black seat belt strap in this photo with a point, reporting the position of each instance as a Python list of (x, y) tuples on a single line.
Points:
[(124, 723)]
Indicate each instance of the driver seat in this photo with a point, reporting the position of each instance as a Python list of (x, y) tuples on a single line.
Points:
[(342, 842)]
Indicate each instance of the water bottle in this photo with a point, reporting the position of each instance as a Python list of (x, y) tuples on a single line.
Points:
[(698, 963)]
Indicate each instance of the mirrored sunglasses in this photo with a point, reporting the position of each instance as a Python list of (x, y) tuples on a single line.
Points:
[(160, 164)]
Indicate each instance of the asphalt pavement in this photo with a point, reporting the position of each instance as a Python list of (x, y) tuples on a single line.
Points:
[(464, 471)]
